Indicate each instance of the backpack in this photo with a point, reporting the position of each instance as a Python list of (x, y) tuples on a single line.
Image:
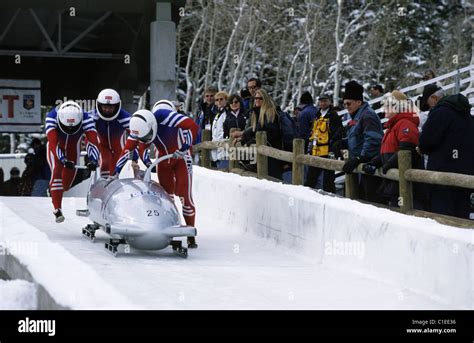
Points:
[(288, 130)]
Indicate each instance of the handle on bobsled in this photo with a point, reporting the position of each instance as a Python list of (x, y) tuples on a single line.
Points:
[(93, 172), (93, 178), (147, 176)]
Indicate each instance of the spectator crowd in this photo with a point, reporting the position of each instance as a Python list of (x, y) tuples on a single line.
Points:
[(35, 178), (437, 128)]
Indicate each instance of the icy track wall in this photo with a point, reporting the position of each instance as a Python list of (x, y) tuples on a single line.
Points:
[(69, 284), (412, 253)]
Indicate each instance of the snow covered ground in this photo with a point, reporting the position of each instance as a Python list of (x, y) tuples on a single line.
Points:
[(229, 270), (17, 295)]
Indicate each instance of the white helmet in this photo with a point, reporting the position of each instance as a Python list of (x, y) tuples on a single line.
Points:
[(143, 125), (108, 96), (70, 117), (163, 104)]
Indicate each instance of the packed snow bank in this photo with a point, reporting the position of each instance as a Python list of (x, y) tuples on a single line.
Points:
[(71, 283), (417, 253), (17, 295)]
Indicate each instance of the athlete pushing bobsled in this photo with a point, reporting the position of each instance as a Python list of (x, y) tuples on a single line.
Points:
[(172, 133), (65, 128)]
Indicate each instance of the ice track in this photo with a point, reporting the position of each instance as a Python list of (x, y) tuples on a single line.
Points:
[(229, 270)]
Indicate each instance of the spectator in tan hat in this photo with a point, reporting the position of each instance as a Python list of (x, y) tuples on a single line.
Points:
[(401, 134)]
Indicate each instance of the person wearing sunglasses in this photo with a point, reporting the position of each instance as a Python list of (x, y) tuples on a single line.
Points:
[(364, 138), (264, 116), (171, 133), (235, 117), (253, 85)]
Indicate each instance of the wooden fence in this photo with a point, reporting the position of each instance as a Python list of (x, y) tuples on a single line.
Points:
[(404, 175)]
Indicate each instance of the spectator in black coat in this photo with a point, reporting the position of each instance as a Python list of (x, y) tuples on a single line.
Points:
[(376, 91), (306, 116), (235, 115), (13, 186), (246, 99), (27, 178), (41, 170), (447, 139), (264, 117)]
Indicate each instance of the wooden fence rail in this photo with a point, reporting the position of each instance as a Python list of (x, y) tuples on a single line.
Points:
[(405, 175)]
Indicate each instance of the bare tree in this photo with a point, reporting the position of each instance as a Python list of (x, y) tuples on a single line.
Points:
[(351, 28), (189, 82), (229, 43), (316, 44), (210, 55)]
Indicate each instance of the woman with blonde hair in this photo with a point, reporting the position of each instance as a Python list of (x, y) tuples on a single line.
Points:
[(264, 116)]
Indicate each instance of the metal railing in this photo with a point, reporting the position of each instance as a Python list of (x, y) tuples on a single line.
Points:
[(455, 85)]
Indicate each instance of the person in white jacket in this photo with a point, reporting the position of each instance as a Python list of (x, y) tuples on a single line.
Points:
[(218, 156)]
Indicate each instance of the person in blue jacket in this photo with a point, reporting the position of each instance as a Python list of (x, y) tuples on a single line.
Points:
[(306, 117), (364, 138)]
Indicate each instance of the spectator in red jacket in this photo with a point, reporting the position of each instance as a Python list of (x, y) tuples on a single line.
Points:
[(401, 134)]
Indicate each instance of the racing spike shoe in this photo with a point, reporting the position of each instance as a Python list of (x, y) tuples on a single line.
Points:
[(59, 215), (192, 243)]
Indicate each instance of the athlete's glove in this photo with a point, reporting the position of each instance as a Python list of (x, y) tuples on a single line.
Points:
[(68, 164), (181, 152), (369, 168), (91, 165), (350, 165), (153, 170)]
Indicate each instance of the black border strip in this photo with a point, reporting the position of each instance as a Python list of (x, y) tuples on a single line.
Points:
[(178, 324)]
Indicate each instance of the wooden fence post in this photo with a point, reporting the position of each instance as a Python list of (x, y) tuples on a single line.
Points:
[(405, 200), (233, 162), (206, 153), (351, 184), (298, 168), (262, 160)]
